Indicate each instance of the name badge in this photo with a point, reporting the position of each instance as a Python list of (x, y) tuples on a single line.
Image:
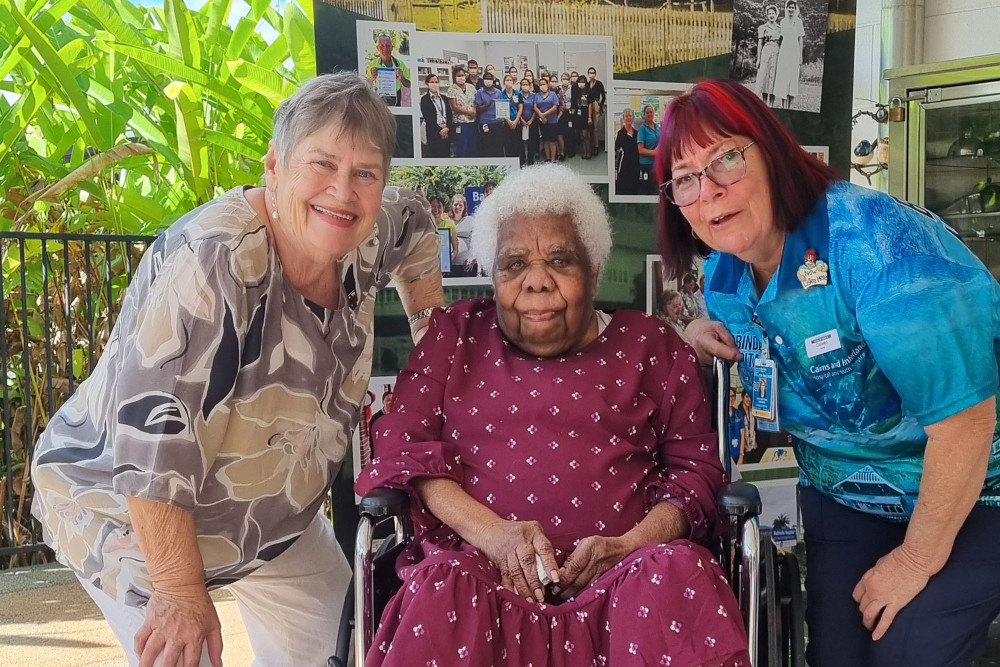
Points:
[(828, 341), (764, 395)]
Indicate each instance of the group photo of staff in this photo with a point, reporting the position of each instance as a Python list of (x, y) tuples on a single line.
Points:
[(493, 96)]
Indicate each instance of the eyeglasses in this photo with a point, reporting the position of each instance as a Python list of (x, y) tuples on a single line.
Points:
[(724, 170)]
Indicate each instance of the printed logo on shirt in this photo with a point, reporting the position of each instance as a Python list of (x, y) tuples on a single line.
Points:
[(840, 367), (751, 345)]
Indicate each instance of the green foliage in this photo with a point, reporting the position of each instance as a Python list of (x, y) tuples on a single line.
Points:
[(400, 43), (444, 182), (88, 76), (115, 118)]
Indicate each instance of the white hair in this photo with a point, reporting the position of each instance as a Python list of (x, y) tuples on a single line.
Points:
[(546, 189)]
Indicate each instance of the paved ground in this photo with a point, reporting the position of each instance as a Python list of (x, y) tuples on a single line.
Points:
[(48, 620)]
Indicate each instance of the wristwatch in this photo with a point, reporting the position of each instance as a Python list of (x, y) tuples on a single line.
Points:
[(419, 315)]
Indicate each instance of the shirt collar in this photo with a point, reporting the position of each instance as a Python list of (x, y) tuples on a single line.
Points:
[(814, 233)]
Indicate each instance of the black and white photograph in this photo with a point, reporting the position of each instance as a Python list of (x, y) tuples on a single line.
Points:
[(779, 49), (532, 98), (636, 111), (384, 57), (455, 190)]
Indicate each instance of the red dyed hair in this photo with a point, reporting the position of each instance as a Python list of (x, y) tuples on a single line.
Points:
[(724, 108)]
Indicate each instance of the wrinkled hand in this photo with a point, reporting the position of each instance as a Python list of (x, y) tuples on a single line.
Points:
[(511, 546), (399, 74), (711, 339), (178, 623), (887, 588), (592, 557), (444, 132), (372, 73)]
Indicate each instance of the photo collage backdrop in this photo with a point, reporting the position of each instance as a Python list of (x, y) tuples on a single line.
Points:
[(643, 52)]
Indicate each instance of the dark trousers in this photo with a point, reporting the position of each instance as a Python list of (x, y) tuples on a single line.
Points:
[(647, 180), (568, 134), (945, 625), (491, 139), (437, 148), (512, 141), (531, 145), (466, 139)]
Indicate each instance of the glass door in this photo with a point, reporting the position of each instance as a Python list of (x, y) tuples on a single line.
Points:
[(960, 175)]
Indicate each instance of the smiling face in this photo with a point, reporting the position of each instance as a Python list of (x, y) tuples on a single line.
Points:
[(772, 14), (457, 207), (747, 402), (385, 48), (627, 118), (544, 286), (437, 209), (328, 194), (647, 115), (737, 219)]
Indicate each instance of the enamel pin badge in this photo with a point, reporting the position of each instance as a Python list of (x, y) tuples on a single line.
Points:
[(813, 271)]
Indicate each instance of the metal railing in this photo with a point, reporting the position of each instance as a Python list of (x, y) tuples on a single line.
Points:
[(61, 295)]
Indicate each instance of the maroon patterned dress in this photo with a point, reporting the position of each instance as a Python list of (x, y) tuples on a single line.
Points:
[(584, 443)]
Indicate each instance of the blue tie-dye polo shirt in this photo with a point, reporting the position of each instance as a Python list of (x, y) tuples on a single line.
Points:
[(918, 318)]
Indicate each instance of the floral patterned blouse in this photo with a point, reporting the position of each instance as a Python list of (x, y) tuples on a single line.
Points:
[(222, 391)]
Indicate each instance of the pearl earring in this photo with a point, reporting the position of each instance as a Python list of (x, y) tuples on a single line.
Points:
[(274, 207)]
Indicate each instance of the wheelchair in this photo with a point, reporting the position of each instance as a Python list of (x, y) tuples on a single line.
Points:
[(767, 584)]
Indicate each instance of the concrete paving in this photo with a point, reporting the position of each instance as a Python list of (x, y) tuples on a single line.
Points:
[(48, 620)]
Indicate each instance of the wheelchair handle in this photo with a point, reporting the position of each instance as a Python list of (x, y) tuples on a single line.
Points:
[(384, 502), (720, 380)]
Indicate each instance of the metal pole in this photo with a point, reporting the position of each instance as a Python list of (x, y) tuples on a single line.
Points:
[(363, 599)]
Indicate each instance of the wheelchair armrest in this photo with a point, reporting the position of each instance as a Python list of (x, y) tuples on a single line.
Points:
[(385, 502), (739, 499)]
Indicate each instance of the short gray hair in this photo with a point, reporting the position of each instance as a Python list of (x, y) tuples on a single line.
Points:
[(547, 189), (343, 99)]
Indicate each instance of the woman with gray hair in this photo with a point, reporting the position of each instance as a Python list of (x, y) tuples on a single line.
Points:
[(560, 462), (200, 451)]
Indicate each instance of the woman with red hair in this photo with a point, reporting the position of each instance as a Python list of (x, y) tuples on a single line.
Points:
[(835, 296)]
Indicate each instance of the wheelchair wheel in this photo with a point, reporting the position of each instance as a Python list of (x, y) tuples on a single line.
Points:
[(769, 629), (793, 612)]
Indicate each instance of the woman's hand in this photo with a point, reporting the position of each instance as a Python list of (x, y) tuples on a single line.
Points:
[(512, 547), (178, 623), (711, 339), (885, 589), (592, 557)]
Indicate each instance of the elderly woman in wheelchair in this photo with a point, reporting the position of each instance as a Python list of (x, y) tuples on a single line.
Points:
[(560, 461)]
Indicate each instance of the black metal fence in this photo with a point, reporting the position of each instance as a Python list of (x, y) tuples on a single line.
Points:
[(61, 295)]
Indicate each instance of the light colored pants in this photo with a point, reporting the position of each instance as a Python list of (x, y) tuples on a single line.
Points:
[(291, 606), (598, 133)]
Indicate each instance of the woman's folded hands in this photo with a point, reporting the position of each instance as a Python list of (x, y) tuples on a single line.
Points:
[(513, 546)]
